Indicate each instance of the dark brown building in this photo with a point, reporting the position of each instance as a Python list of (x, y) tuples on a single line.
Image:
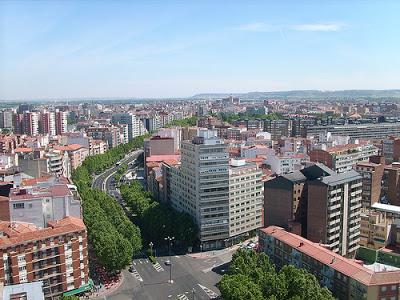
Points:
[(391, 184), (285, 198), (371, 173)]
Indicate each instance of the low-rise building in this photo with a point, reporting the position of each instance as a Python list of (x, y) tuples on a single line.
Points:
[(283, 164), (42, 200), (343, 158), (344, 277), (375, 229)]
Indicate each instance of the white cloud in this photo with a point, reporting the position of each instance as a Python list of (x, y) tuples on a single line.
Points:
[(318, 27)]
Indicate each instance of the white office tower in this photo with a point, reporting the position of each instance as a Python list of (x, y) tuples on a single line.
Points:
[(200, 187)]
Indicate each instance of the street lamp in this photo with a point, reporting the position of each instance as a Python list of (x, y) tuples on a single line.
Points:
[(170, 239), (151, 248)]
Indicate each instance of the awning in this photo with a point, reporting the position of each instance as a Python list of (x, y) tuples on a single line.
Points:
[(81, 289)]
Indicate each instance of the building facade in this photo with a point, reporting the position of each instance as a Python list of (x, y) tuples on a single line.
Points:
[(200, 187), (56, 255), (345, 278), (334, 212), (343, 158), (246, 192)]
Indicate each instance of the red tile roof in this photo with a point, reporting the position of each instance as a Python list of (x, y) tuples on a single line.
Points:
[(31, 234), (341, 264), (155, 158), (23, 150)]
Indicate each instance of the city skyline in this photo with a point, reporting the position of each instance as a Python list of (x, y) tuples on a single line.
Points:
[(123, 49)]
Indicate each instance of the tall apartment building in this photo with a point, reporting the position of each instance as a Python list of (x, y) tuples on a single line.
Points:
[(61, 118), (6, 119), (245, 198), (391, 184), (343, 158), (200, 187), (286, 196), (391, 149), (151, 123), (26, 123), (18, 123), (134, 128), (333, 211), (345, 278), (48, 123), (109, 134), (56, 255), (371, 173), (225, 199), (278, 128), (31, 123)]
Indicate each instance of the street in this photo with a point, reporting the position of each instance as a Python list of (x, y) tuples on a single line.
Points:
[(100, 181), (193, 278)]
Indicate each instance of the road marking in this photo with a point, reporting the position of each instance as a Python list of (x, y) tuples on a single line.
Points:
[(140, 262), (134, 263), (136, 274), (209, 292), (158, 267), (176, 256), (182, 297)]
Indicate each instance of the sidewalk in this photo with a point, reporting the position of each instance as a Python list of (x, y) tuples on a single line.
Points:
[(105, 291), (213, 253)]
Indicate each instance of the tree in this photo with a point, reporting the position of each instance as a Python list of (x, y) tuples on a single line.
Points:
[(158, 220), (70, 297), (288, 283), (238, 287), (191, 121)]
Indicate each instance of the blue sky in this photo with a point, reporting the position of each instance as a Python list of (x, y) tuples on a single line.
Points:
[(63, 49)]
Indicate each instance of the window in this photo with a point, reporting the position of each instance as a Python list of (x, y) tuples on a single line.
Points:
[(394, 287), (22, 268), (383, 288), (19, 205)]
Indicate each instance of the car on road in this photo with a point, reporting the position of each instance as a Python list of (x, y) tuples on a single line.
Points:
[(131, 268), (167, 262)]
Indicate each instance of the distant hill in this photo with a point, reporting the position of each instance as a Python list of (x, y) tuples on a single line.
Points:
[(306, 94)]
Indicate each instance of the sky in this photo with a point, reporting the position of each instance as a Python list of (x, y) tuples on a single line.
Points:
[(83, 49)]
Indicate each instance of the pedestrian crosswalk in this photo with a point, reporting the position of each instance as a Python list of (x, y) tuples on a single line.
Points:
[(158, 267), (209, 292), (136, 274), (182, 297)]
